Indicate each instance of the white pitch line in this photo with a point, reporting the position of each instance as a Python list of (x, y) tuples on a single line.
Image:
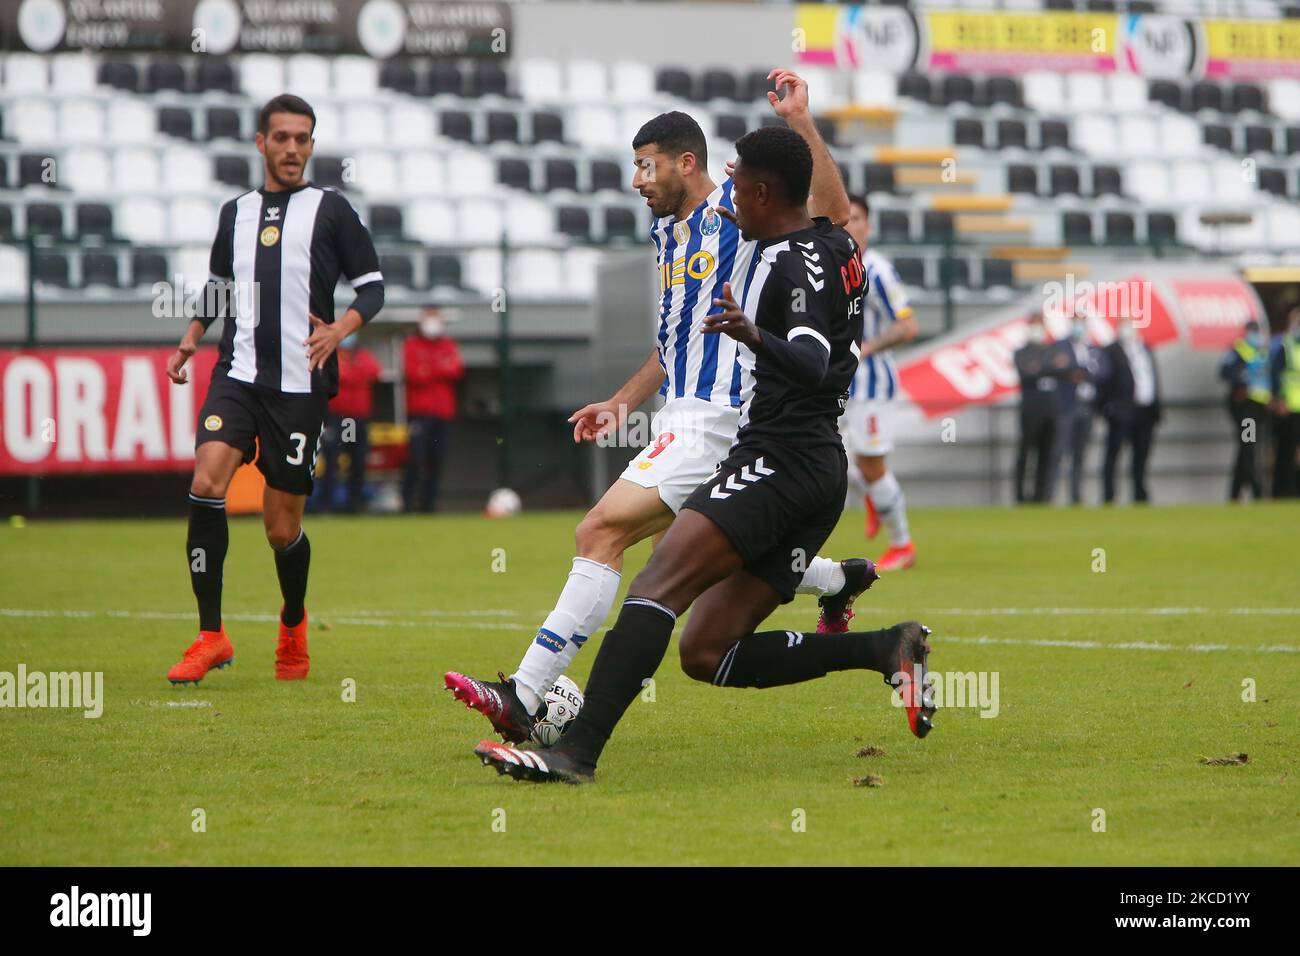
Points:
[(941, 639), (1069, 611)]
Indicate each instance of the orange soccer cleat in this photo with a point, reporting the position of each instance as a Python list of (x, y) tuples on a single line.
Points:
[(897, 558), (873, 519), (211, 650), (291, 660)]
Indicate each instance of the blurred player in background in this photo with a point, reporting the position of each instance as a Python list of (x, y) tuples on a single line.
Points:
[(279, 252), (869, 419), (706, 381), (1245, 368), (433, 367), (347, 428), (779, 491)]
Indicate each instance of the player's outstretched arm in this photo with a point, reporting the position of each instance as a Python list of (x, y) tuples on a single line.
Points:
[(188, 346), (829, 197), (600, 418)]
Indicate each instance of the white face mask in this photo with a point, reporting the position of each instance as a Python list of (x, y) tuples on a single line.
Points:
[(1128, 333), (431, 328), (1037, 334)]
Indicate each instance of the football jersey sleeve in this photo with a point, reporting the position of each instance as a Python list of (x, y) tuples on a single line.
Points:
[(888, 288), (221, 268)]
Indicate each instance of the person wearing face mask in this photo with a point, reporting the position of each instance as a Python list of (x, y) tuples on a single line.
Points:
[(1038, 382), (433, 366), (1076, 365), (1128, 397), (1285, 364), (1246, 369)]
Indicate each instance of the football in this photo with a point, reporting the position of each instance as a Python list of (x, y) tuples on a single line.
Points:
[(503, 503), (563, 701)]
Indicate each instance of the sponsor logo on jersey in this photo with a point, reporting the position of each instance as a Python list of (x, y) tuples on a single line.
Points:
[(699, 266), (273, 214), (711, 222), (270, 235), (213, 423)]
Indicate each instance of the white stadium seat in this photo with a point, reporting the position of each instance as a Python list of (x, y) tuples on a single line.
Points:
[(261, 75), (1095, 135), (72, 73), (479, 220), (1283, 225), (376, 172), (1085, 91), (826, 87), (431, 220), (1192, 180), (541, 81), (87, 170), (1179, 136), (1229, 182), (596, 127), (192, 220), (1137, 135), (469, 173), (529, 220), (412, 125), (1147, 180), (192, 264), (536, 272), (1284, 97), (363, 126), (586, 81), (482, 270), (580, 271), (31, 121), (136, 170), (875, 89), (131, 121), (631, 82), (81, 121), (355, 77), (1126, 93), (1044, 91), (13, 271), (422, 173), (186, 169), (141, 219), (307, 75), (329, 126), (26, 73)]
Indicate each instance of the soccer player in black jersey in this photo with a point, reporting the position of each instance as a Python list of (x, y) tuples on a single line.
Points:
[(736, 550), (276, 259)]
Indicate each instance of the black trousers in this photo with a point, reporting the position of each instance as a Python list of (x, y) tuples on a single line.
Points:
[(1245, 467), (350, 435), (426, 452), (1287, 430), (1136, 429), (1072, 433), (1037, 437)]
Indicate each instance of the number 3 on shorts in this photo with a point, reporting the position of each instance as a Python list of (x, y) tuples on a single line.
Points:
[(299, 439)]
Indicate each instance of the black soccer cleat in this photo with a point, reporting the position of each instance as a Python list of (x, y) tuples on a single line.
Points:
[(534, 766), (837, 609), (497, 701), (910, 676)]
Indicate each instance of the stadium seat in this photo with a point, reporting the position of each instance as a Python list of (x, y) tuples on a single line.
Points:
[(1217, 135), (1022, 178), (1063, 180), (1247, 96), (1004, 90), (400, 75), (536, 272), (26, 73), (956, 88), (954, 270), (515, 173), (411, 125), (631, 82), (1272, 180), (261, 76), (1053, 134), (915, 86), (1165, 92), (528, 219), (480, 221), (586, 81), (878, 178), (130, 120), (620, 223), (6, 222), (327, 171), (968, 132), (469, 173), (894, 225), (1126, 93), (148, 268), (1161, 228), (215, 75), (1284, 97), (37, 170), (673, 81), (442, 271), (141, 219), (1106, 181), (99, 268), (164, 75), (540, 81), (223, 123), (44, 219), (51, 268), (547, 127), (232, 171), (354, 77), (606, 174), (431, 221), (754, 86), (1206, 95), (363, 125), (1044, 91), (1292, 140), (936, 226), (911, 270), (192, 220), (731, 126), (487, 78), (375, 172), (421, 173), (32, 121), (119, 74), (574, 221), (875, 89), (1085, 92), (94, 219), (1259, 139), (176, 121), (72, 73), (502, 127), (482, 270), (385, 222), (1012, 134), (560, 174), (997, 274), (1076, 228), (1120, 229), (13, 271), (80, 121), (579, 271), (398, 270)]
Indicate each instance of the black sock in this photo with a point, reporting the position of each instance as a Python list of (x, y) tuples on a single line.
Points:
[(774, 658), (205, 552), (630, 653), (291, 565)]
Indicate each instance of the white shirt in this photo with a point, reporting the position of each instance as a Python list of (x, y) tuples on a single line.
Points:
[(1144, 376)]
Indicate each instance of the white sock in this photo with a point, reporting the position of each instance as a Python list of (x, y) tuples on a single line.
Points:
[(823, 576), (857, 486), (582, 607), (887, 496)]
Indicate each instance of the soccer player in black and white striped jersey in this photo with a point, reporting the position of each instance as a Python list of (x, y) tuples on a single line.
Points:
[(276, 259)]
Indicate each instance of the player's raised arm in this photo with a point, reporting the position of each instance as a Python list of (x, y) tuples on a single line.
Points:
[(599, 418), (828, 198)]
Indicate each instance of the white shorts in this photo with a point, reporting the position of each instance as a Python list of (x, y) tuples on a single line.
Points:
[(868, 427), (691, 436)]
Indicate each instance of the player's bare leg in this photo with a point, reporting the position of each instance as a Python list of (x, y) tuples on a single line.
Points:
[(282, 518), (215, 464), (886, 498)]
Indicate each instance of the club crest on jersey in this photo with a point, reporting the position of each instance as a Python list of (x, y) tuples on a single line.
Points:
[(270, 235), (682, 232), (212, 423), (711, 222)]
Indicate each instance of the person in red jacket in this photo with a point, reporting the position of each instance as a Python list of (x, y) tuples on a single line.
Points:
[(347, 425), (433, 367)]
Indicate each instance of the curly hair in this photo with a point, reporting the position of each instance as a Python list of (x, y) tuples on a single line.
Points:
[(674, 133), (782, 154)]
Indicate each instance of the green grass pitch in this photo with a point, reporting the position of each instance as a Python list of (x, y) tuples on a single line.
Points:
[(1112, 687)]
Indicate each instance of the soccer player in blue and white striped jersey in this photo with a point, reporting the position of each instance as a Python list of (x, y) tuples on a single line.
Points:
[(705, 381), (868, 422)]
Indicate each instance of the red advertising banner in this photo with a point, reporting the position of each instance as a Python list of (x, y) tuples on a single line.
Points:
[(66, 411), (1213, 310)]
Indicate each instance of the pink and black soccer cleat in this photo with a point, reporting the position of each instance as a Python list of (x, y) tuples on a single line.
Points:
[(495, 700), (837, 609)]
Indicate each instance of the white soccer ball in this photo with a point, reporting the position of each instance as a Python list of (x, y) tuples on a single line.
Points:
[(503, 503), (563, 701)]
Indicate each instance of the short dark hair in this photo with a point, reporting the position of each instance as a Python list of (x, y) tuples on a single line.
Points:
[(674, 133), (284, 103), (858, 199), (781, 153)]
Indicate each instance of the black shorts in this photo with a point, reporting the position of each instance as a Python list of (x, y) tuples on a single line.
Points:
[(777, 506), (286, 425)]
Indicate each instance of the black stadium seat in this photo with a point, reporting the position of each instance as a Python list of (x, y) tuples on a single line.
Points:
[(1273, 181), (561, 174), (1206, 95), (1012, 134), (968, 132), (99, 268), (606, 174), (215, 75), (443, 271), (386, 221), (1003, 89), (878, 178), (6, 222), (232, 170), (1022, 179), (997, 274), (719, 85), (755, 86), (44, 219), (1162, 228), (911, 270), (1259, 139), (1054, 134), (1165, 92), (1119, 229), (731, 127), (956, 88), (1076, 228), (120, 75), (397, 269), (620, 223), (914, 86), (223, 123), (176, 121), (33, 170), (327, 171), (1142, 6), (444, 78), (94, 219), (502, 127), (515, 173), (148, 268), (487, 78), (574, 221), (1293, 139), (397, 75), (1063, 180), (1247, 96), (548, 128), (1106, 181), (1217, 135), (894, 226), (164, 75), (674, 82), (936, 226), (1101, 6), (455, 124), (51, 267), (954, 270)]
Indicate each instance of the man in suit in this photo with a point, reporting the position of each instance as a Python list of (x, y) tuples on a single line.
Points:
[(1076, 365), (1037, 412), (1128, 397)]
